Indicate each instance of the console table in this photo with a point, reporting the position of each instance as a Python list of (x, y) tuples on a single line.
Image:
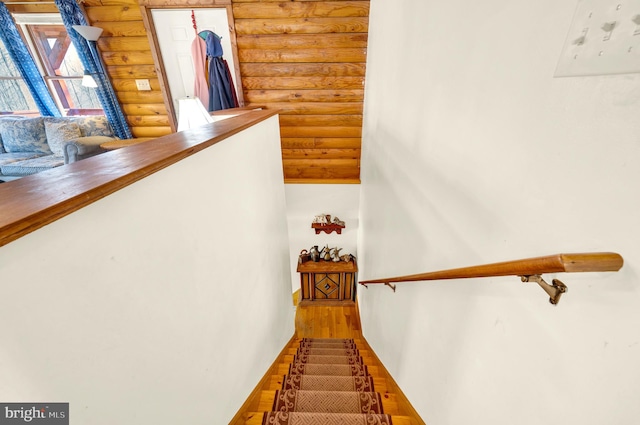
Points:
[(328, 280)]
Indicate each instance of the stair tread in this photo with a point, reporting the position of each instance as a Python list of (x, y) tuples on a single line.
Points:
[(327, 383), (379, 384), (255, 418), (387, 400), (327, 369)]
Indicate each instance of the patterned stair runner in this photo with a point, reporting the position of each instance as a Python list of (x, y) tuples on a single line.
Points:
[(327, 384)]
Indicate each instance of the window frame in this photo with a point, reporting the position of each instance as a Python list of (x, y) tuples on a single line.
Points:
[(27, 24)]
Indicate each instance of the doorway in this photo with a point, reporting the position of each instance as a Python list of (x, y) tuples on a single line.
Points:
[(174, 34)]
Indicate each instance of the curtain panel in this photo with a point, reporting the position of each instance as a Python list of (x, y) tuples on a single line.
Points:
[(73, 15), (26, 66)]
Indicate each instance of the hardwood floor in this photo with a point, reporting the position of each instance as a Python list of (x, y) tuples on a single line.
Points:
[(327, 319)]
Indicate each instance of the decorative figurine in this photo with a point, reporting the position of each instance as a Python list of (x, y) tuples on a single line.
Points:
[(314, 253), (321, 219), (326, 253)]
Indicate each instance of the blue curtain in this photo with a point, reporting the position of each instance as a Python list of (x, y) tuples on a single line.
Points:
[(72, 15), (25, 64)]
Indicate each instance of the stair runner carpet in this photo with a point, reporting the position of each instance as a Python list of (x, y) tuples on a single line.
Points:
[(327, 384)]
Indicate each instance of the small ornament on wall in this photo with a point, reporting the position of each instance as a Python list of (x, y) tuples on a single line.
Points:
[(324, 223)]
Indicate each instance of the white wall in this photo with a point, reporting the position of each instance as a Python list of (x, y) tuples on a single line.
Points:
[(163, 303), (304, 201), (474, 153)]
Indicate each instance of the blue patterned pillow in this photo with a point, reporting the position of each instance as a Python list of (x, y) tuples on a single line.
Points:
[(8, 118), (90, 125), (95, 125), (24, 135), (58, 133)]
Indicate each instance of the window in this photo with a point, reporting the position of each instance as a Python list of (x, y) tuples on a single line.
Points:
[(59, 64), (15, 97)]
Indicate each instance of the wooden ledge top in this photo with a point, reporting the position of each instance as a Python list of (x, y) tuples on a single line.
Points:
[(324, 266), (34, 201)]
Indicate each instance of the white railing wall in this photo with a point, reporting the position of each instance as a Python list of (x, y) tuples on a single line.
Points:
[(161, 303)]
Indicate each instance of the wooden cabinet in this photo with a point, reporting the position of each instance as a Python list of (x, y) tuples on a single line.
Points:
[(328, 280)]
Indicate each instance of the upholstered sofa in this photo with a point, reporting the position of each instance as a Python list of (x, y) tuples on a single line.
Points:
[(31, 145)]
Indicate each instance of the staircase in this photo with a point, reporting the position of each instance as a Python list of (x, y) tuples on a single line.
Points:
[(327, 381), (327, 374)]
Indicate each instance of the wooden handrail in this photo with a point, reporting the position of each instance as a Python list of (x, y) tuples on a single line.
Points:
[(529, 269)]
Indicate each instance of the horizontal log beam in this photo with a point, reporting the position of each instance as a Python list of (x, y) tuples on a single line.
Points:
[(302, 9), (127, 58), (150, 131), (302, 69), (321, 143), (308, 55), (123, 44), (141, 97), (117, 13), (301, 174), (129, 84), (336, 83), (301, 41), (321, 163), (320, 153), (315, 108), (146, 109), (123, 29), (317, 120), (302, 25), (266, 96), (321, 131), (129, 71)]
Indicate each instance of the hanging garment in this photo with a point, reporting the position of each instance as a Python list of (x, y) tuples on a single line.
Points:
[(200, 83), (233, 87), (221, 89)]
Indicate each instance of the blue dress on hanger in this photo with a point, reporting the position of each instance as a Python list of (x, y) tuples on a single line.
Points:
[(221, 88)]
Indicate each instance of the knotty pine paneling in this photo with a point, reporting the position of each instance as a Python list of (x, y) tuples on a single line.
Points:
[(126, 53), (307, 59)]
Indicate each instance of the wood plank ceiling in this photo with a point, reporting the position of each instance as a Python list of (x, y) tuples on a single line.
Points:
[(303, 57)]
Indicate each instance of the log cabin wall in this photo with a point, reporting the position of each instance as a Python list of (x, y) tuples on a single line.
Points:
[(307, 58), (126, 53), (303, 57)]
